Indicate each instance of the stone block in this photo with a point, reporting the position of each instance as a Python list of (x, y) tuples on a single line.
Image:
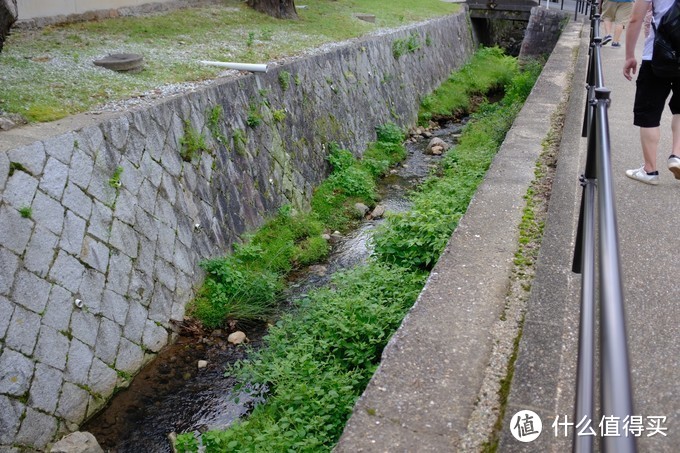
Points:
[(91, 290), (165, 247), (31, 291), (31, 157), (116, 131), (135, 148), (11, 411), (124, 238), (184, 259), (108, 339), (76, 200), (141, 287), (59, 308), (102, 378), (120, 270), (6, 310), (133, 329), (54, 178), (79, 361), (114, 307), (67, 271), (16, 372), (171, 161), (155, 140), (151, 170), (37, 429), (15, 230), (168, 188), (47, 212), (52, 347), (44, 393), (100, 221), (130, 178), (161, 304), (146, 197), (146, 224), (73, 233), (20, 189), (4, 170), (185, 230), (130, 356), (165, 212), (91, 140), (9, 263), (206, 166), (99, 186), (84, 327), (81, 168), (61, 147), (95, 253), (125, 206), (154, 337), (23, 330), (165, 274), (72, 403)]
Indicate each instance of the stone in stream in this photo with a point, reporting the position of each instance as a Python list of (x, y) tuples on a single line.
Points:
[(237, 337), (378, 212), (361, 209), (436, 141), (77, 442)]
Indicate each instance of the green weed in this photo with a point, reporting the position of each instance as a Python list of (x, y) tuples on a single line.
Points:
[(26, 212), (114, 180), (192, 143), (214, 120), (279, 115), (284, 80)]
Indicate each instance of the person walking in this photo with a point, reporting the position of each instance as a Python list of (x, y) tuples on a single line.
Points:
[(616, 12), (650, 95)]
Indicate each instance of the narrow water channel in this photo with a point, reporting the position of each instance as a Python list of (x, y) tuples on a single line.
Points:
[(172, 394)]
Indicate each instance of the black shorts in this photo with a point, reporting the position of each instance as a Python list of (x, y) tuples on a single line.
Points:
[(650, 96)]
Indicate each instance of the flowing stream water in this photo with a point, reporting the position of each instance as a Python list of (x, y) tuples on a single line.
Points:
[(173, 395)]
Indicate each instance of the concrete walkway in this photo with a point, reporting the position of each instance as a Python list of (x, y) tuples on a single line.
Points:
[(426, 388), (647, 218)]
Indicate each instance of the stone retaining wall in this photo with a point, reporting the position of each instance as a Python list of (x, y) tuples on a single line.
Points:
[(102, 226)]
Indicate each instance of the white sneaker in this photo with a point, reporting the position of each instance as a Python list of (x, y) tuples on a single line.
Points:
[(639, 174), (606, 40), (674, 165)]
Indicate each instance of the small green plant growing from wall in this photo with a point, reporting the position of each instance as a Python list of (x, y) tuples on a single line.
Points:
[(192, 143), (254, 116), (428, 40), (406, 45), (279, 115), (214, 120), (26, 212), (114, 180), (239, 138), (284, 80)]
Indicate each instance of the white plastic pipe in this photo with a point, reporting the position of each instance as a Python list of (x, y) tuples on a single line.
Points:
[(239, 66)]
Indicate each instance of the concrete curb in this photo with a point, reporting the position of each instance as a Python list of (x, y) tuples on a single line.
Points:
[(422, 395)]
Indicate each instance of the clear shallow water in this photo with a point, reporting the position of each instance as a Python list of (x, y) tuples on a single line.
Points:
[(172, 395)]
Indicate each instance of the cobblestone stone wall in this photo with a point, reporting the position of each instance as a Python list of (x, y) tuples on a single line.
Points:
[(102, 227)]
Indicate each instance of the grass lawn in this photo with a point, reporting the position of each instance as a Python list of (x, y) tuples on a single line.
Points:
[(47, 74)]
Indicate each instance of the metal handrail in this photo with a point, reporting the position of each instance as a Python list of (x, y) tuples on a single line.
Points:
[(616, 390)]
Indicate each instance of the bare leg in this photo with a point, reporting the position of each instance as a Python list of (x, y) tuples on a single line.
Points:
[(649, 138), (618, 29), (607, 27), (675, 128)]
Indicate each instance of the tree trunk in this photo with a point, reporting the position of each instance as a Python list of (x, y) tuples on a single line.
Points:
[(282, 9), (8, 15)]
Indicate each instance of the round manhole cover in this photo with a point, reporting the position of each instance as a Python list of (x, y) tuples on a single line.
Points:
[(127, 62)]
